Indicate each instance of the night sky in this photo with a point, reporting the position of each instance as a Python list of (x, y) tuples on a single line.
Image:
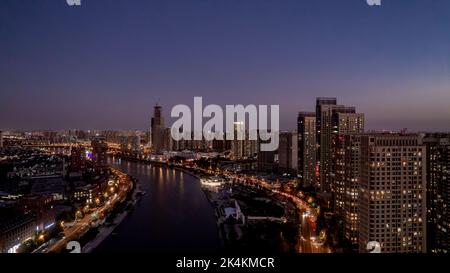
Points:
[(105, 64)]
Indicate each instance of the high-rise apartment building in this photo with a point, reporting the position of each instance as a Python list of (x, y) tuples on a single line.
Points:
[(345, 170), (349, 123), (332, 119), (392, 193), (306, 128), (347, 179), (158, 130), (438, 192), (288, 152), (324, 129)]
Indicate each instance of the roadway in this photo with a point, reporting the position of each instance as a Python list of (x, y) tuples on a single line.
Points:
[(83, 224)]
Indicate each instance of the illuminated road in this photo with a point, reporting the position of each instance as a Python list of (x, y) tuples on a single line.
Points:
[(82, 225)]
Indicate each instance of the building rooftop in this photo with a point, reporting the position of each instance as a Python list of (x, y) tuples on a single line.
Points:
[(48, 184)]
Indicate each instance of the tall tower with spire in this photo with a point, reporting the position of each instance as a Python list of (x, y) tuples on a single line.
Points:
[(157, 133)]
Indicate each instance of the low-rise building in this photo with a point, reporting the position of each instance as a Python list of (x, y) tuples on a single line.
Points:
[(87, 193), (16, 231)]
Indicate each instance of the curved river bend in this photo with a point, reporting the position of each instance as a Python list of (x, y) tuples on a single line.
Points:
[(173, 216)]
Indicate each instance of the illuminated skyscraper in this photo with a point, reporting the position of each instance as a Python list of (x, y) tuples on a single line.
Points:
[(392, 193), (324, 129), (306, 127), (438, 192), (158, 130), (347, 182), (345, 172), (332, 119)]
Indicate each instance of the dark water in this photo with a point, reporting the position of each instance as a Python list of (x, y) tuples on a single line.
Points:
[(173, 216)]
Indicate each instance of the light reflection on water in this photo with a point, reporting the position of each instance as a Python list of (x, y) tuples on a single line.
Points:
[(173, 216)]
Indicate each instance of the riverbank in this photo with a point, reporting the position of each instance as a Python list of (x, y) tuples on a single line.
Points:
[(107, 229), (198, 175), (174, 215)]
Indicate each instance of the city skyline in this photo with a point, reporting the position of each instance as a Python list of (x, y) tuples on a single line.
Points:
[(64, 71), (227, 135), (166, 116)]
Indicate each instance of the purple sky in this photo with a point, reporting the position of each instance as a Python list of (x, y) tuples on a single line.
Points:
[(105, 64)]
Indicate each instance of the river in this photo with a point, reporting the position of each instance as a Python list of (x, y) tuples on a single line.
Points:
[(173, 216)]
